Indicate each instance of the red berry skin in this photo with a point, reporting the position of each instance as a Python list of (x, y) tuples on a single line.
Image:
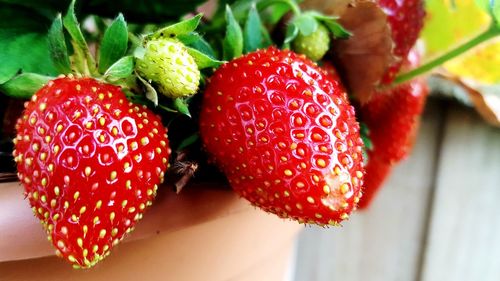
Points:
[(392, 118), (283, 132), (90, 163), (406, 19), (377, 171)]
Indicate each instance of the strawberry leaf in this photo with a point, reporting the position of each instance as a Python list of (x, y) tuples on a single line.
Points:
[(254, 39), (114, 43), (492, 7), (180, 28), (233, 41), (202, 60), (195, 41), (150, 93), (181, 105), (120, 69), (23, 42), (291, 32), (24, 85), (57, 47), (364, 131), (495, 11), (83, 58), (188, 141), (306, 23), (332, 24)]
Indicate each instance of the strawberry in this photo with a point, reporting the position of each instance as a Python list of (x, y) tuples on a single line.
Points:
[(90, 162), (377, 171), (314, 45), (392, 116), (283, 132), (406, 19), (167, 63), (393, 119)]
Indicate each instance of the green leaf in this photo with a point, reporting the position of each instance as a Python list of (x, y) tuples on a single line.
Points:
[(365, 132), (332, 24), (483, 4), (277, 12), (495, 11), (233, 41), (447, 26), (195, 41), (253, 37), (24, 85), (492, 7), (57, 47), (183, 27), (188, 141), (181, 105), (291, 32), (83, 58), (114, 43), (337, 29), (120, 69), (23, 42), (202, 60), (139, 52), (151, 93), (306, 24)]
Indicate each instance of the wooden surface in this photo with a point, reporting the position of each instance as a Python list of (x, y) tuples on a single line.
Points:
[(437, 219)]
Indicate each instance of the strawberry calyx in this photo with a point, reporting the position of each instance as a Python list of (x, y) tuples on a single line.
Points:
[(309, 32)]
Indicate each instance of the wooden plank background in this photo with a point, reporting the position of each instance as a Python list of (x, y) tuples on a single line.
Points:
[(437, 219)]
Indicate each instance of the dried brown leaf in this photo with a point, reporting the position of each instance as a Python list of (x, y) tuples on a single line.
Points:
[(364, 58), (486, 103)]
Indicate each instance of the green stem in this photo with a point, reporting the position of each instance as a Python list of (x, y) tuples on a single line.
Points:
[(491, 32), (134, 40)]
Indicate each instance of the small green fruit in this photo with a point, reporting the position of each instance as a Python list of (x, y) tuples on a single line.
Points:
[(167, 63), (315, 45)]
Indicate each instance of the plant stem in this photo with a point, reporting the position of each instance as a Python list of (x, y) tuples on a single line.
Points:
[(491, 32)]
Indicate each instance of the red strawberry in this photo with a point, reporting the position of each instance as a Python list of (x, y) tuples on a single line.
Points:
[(406, 19), (377, 171), (90, 163), (285, 135), (392, 118)]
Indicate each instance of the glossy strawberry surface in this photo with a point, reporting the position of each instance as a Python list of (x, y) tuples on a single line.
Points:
[(90, 162), (406, 19), (285, 135)]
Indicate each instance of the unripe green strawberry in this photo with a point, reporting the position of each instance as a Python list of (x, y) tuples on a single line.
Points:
[(170, 67), (315, 45)]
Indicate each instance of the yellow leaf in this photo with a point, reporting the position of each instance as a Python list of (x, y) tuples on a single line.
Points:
[(480, 64)]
